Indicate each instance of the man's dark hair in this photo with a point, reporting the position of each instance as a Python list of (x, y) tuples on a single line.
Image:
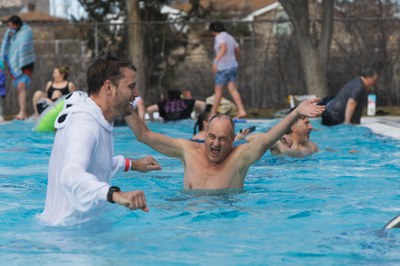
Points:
[(368, 72), (14, 19), (217, 26), (174, 95), (107, 67), (289, 131), (201, 118)]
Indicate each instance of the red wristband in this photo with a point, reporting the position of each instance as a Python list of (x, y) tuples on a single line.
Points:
[(127, 165)]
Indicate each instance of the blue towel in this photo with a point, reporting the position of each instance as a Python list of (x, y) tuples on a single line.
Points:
[(3, 91), (18, 49)]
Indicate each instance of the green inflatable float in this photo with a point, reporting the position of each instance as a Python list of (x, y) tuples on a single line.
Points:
[(49, 116)]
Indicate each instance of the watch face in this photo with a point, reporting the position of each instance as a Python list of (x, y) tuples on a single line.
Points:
[(111, 190)]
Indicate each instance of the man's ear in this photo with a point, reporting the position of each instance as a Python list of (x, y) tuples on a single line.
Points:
[(293, 128), (108, 87)]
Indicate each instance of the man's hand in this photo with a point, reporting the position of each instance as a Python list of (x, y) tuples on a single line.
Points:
[(214, 68), (133, 200), (145, 164), (309, 108), (242, 134)]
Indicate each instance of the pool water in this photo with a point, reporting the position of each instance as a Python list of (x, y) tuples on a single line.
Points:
[(328, 208)]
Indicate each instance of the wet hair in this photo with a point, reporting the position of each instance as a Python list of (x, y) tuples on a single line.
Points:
[(368, 72), (217, 26), (103, 68), (203, 116), (14, 19), (289, 131), (226, 117), (64, 70)]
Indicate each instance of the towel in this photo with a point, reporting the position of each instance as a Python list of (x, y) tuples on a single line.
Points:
[(18, 49), (3, 90)]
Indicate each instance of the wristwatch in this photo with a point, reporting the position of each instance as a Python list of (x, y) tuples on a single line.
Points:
[(111, 190)]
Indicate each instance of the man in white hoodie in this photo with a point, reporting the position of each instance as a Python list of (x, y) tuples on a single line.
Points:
[(82, 163)]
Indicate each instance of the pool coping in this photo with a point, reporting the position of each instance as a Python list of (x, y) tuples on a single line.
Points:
[(388, 126)]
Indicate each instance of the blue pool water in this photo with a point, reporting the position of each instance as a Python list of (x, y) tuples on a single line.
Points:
[(325, 209)]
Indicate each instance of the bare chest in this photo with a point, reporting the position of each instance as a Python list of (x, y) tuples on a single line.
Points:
[(200, 174)]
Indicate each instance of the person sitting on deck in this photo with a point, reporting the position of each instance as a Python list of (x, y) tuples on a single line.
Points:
[(175, 107)]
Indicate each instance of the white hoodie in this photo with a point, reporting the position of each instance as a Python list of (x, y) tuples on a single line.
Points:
[(81, 163)]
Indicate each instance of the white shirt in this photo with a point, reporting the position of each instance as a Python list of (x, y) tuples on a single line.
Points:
[(136, 101), (81, 164), (229, 59)]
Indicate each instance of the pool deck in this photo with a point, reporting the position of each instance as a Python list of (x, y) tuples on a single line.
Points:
[(388, 126)]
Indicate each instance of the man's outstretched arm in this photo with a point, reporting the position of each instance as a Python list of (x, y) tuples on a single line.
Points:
[(259, 145), (145, 164), (166, 145)]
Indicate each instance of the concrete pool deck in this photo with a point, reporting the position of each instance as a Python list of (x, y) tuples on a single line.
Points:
[(388, 126)]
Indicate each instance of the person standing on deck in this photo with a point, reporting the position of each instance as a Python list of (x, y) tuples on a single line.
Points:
[(225, 66), (18, 52)]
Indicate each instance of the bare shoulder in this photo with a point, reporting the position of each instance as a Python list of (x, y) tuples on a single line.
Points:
[(71, 86), (280, 147), (241, 151), (192, 150), (48, 84), (313, 146), (192, 144), (186, 144)]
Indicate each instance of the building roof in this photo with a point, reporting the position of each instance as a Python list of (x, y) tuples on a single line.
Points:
[(35, 17), (247, 6)]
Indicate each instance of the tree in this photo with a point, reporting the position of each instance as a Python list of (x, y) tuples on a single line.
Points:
[(139, 31), (313, 42), (153, 39), (107, 33), (136, 42)]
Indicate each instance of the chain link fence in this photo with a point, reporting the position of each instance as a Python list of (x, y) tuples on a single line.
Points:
[(179, 56)]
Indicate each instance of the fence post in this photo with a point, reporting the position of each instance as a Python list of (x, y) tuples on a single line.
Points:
[(96, 39), (253, 67), (56, 47)]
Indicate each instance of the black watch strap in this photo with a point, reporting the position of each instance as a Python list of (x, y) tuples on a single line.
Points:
[(111, 190)]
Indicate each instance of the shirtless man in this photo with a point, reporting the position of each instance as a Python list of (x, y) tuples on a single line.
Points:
[(215, 164), (296, 142)]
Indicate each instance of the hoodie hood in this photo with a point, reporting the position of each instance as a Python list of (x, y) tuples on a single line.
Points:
[(80, 102)]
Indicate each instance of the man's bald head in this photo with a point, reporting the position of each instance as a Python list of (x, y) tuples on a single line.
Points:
[(223, 117)]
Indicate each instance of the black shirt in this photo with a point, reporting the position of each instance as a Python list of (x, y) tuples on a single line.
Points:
[(353, 89), (176, 109)]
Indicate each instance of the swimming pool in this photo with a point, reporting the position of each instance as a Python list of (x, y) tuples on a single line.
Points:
[(328, 208)]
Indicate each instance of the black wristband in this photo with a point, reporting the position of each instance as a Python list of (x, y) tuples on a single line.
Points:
[(111, 190)]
